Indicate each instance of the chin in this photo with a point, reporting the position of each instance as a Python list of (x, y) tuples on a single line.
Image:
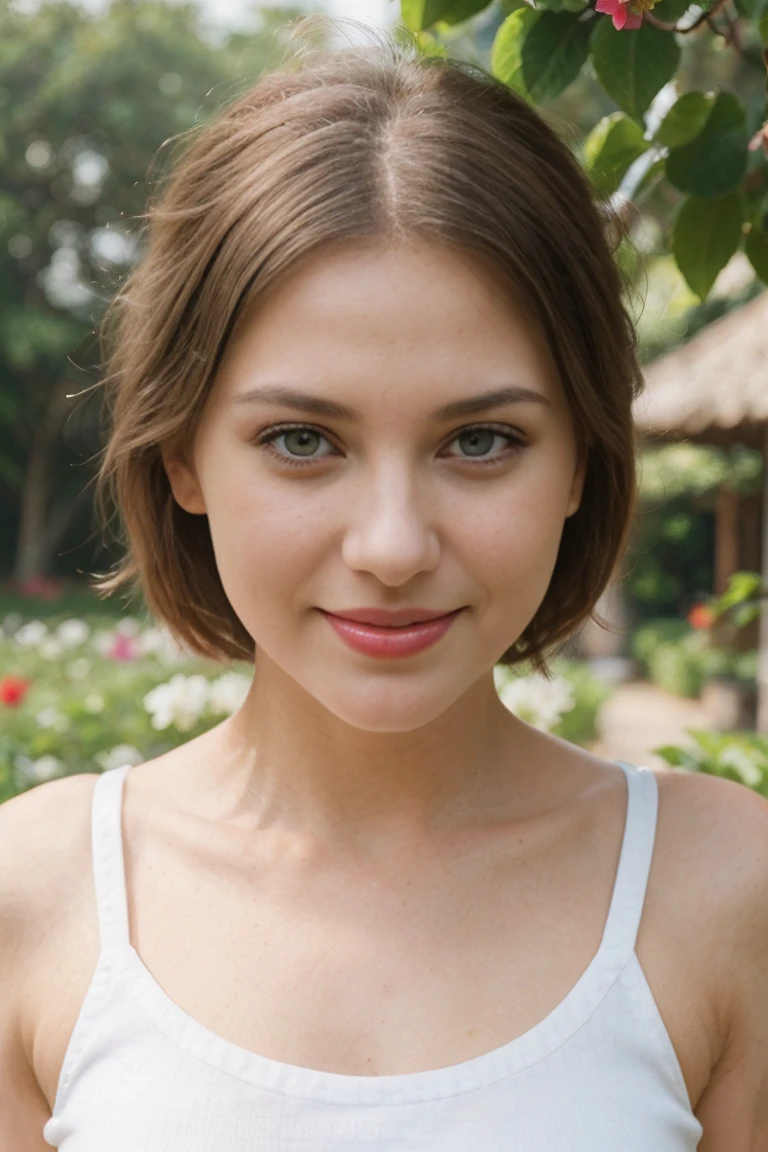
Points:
[(391, 707)]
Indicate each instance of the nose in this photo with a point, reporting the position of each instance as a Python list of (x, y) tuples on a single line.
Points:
[(390, 531)]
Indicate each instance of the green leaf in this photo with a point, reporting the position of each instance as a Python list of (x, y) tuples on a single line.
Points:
[(706, 235), (457, 11), (742, 585), (763, 26), (670, 11), (421, 14), (756, 248), (654, 174), (611, 147), (673, 755), (554, 50), (716, 160), (633, 66), (685, 119), (562, 5), (507, 50), (750, 9)]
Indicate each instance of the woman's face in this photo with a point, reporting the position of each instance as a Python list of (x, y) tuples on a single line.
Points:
[(387, 432)]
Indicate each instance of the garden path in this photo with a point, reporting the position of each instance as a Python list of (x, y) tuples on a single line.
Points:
[(639, 717)]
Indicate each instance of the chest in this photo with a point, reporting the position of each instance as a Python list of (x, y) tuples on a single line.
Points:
[(379, 970)]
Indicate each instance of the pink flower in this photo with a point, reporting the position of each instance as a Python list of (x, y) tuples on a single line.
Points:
[(623, 16), (122, 648), (41, 587), (760, 139)]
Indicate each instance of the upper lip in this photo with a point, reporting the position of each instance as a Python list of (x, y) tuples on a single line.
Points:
[(390, 617)]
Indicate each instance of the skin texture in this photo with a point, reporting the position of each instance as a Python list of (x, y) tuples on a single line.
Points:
[(391, 512)]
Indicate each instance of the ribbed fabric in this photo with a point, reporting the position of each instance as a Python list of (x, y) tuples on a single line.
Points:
[(598, 1074)]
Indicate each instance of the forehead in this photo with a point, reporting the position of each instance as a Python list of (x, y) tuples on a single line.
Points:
[(362, 318)]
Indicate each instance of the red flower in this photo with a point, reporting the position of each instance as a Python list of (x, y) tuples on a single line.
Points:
[(41, 588), (701, 616), (13, 689), (623, 15)]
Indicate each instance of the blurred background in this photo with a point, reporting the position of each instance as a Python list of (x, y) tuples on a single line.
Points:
[(90, 94)]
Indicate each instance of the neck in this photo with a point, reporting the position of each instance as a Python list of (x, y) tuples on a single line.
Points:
[(287, 761)]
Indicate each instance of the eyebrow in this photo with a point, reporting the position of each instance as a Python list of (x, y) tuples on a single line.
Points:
[(283, 397)]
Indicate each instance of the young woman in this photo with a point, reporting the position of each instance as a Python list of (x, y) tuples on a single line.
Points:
[(371, 428)]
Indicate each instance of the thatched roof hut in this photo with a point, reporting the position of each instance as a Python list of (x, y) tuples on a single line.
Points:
[(714, 390)]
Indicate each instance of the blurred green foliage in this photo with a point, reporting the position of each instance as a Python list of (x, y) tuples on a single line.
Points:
[(680, 659), (738, 756), (671, 555), (92, 106)]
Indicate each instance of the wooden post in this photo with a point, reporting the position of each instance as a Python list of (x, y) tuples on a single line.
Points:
[(726, 538), (762, 652)]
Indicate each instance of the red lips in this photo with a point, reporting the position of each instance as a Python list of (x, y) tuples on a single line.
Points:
[(390, 633), (389, 617)]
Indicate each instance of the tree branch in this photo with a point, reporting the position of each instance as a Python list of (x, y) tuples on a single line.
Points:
[(702, 18)]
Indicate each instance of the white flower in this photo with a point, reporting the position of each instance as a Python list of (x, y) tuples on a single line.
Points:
[(51, 718), (93, 702), (160, 643), (50, 648), (38, 771), (103, 641), (538, 701), (128, 625), (72, 633), (228, 692), (118, 756), (181, 702), (79, 668), (30, 635), (11, 622), (739, 761)]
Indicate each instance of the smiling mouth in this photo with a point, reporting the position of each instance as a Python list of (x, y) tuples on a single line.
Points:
[(390, 617), (390, 634)]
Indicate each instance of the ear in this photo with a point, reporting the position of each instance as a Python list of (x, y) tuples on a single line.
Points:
[(577, 486), (184, 483)]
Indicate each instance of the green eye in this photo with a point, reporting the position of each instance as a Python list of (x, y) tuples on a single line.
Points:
[(296, 444), (301, 441), (486, 444), (477, 441)]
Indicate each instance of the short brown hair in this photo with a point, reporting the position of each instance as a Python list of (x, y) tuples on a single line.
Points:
[(360, 143)]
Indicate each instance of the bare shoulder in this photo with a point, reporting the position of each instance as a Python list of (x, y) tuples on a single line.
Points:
[(44, 834), (725, 822), (715, 834), (44, 870), (45, 850)]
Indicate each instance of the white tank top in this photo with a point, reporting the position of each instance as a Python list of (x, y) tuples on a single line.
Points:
[(598, 1074)]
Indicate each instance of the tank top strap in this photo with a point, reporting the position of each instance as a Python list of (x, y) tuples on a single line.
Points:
[(108, 863), (634, 866)]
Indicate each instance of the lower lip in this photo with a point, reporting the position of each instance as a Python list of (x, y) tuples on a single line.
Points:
[(390, 643)]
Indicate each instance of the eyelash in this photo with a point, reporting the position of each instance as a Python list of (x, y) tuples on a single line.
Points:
[(267, 438)]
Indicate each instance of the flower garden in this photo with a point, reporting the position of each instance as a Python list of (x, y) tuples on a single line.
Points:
[(88, 693), (85, 691)]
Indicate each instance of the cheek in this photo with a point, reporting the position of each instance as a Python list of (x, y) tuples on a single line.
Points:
[(517, 526), (266, 541)]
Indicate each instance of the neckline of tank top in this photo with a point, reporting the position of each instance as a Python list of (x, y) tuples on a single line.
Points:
[(530, 1047)]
